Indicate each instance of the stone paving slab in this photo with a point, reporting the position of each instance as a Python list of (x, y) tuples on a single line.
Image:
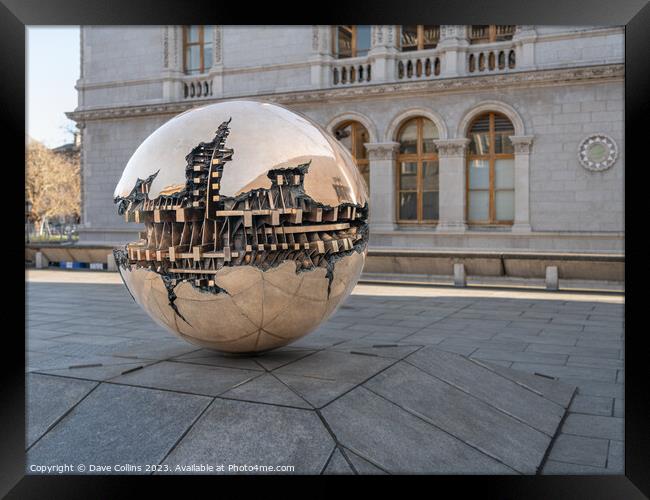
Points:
[(101, 373), (504, 394), (468, 418), (206, 357), (186, 377), (323, 376), (48, 399), (338, 465), (399, 442), (119, 425), (580, 450), (267, 389), (339, 369), (243, 433)]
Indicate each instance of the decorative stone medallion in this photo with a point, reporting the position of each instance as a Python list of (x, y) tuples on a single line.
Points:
[(597, 152)]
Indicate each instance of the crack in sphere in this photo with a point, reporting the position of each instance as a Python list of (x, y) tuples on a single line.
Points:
[(255, 226)]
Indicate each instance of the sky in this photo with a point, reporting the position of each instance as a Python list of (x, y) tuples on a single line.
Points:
[(52, 72)]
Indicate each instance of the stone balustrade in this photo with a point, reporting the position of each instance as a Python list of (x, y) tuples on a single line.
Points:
[(417, 65)]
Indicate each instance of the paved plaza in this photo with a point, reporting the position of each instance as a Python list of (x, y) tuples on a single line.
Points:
[(402, 379)]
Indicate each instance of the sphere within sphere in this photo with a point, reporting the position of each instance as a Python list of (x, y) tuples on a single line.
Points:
[(255, 226)]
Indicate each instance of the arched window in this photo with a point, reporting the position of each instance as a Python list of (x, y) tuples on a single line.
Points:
[(419, 37), (417, 172), (350, 41), (486, 33), (197, 49), (353, 135), (491, 171)]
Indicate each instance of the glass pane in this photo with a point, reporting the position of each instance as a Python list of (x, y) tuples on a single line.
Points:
[(504, 174), (363, 40), (344, 41), (480, 143), (502, 142), (408, 175), (479, 174), (192, 34), (430, 175), (429, 133), (408, 206), (431, 36), (409, 138), (479, 206), (409, 37), (504, 202), (430, 205), (207, 57), (361, 138), (207, 33), (344, 135), (193, 59)]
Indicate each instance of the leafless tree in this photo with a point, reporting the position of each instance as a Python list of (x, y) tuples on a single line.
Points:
[(52, 183)]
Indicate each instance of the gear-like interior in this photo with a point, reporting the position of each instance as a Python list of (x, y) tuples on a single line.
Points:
[(193, 233)]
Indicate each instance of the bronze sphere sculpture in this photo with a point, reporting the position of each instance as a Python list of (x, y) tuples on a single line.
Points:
[(255, 226)]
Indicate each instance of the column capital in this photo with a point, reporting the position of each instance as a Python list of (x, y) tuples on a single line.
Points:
[(381, 150), (522, 143), (451, 147)]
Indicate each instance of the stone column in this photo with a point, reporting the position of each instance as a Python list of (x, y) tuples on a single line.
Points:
[(216, 72), (382, 180), (522, 145), (172, 39), (524, 40), (453, 48), (452, 197), (321, 56), (383, 54)]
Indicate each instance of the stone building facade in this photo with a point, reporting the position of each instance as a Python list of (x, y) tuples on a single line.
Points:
[(556, 92)]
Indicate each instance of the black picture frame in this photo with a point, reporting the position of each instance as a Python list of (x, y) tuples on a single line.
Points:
[(16, 14)]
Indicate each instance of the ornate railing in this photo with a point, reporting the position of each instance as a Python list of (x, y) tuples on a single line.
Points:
[(196, 87), (490, 60), (351, 71), (418, 65)]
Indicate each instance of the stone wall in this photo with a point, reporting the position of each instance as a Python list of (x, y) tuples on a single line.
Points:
[(561, 205)]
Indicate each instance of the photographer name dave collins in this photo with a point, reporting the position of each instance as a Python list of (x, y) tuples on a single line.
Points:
[(102, 468)]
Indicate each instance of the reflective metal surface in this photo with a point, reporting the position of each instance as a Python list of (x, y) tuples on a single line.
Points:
[(255, 228), (264, 136), (263, 309)]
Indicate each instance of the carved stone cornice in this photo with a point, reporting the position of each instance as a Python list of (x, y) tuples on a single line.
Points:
[(522, 143), (451, 147), (469, 84), (381, 150)]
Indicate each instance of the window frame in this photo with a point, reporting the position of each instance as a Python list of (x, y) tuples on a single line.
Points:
[(419, 38), (491, 157), (201, 44), (492, 34), (419, 157), (359, 162), (353, 41)]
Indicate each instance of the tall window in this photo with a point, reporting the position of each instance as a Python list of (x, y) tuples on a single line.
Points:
[(353, 135), (485, 33), (351, 41), (491, 171), (197, 49), (419, 36), (417, 172)]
